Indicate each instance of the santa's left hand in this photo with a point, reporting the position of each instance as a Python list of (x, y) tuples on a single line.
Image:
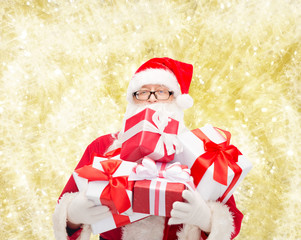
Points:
[(195, 211)]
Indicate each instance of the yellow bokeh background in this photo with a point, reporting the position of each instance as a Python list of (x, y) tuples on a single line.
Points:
[(64, 71)]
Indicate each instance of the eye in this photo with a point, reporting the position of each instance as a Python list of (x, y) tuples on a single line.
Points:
[(143, 92), (162, 92)]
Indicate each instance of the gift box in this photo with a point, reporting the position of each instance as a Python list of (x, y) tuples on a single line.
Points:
[(216, 166), (149, 133), (157, 195), (116, 221), (106, 182)]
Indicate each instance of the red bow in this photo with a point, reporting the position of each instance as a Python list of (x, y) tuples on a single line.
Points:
[(115, 191), (223, 155)]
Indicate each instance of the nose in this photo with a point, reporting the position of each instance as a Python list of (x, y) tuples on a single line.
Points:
[(152, 99)]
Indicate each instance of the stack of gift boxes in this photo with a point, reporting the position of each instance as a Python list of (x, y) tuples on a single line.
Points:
[(155, 165)]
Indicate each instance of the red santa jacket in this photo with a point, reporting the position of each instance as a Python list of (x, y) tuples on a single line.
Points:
[(100, 146)]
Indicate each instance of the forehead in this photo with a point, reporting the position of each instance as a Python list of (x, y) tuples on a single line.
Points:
[(154, 86)]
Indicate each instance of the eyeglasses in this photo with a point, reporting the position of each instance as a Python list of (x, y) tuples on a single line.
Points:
[(144, 95)]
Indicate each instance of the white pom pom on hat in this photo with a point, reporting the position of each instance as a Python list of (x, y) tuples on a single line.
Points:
[(184, 101), (171, 73)]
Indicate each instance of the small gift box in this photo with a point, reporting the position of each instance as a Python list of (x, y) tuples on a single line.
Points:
[(216, 166), (164, 187), (149, 133), (106, 183), (156, 197)]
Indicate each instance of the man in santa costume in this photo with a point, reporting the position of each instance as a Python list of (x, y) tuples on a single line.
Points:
[(161, 84)]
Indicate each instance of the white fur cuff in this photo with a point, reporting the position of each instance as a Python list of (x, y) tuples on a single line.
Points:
[(59, 219), (221, 225), (221, 222)]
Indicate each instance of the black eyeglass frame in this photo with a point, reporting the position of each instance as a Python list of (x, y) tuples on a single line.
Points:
[(152, 92)]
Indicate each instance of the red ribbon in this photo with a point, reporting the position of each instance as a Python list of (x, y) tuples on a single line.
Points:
[(113, 153), (223, 155), (121, 220), (110, 154), (115, 191)]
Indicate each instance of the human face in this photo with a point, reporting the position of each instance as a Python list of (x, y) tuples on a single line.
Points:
[(152, 98)]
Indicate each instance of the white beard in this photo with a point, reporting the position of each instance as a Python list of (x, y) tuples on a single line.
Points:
[(169, 109)]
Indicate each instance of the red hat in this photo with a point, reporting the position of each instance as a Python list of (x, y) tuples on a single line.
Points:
[(171, 73)]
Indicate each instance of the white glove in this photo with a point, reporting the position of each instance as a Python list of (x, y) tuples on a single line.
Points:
[(195, 211), (81, 210)]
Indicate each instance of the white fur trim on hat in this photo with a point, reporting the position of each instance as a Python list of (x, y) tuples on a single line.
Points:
[(59, 219), (153, 76)]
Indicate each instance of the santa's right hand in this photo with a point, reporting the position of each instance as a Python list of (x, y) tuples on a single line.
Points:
[(81, 210)]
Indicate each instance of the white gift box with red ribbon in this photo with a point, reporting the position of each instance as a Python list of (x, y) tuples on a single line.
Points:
[(216, 166), (103, 192), (158, 185)]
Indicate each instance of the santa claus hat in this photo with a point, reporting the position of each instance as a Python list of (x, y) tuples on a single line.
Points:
[(168, 72)]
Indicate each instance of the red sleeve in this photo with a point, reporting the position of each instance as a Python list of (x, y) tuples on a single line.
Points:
[(237, 216)]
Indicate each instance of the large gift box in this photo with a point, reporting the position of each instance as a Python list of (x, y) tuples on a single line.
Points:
[(164, 185), (216, 166), (149, 133), (106, 182)]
